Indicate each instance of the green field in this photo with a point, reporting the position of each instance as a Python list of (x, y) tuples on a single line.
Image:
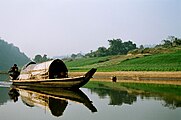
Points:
[(140, 62)]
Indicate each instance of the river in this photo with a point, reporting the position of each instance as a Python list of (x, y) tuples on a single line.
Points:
[(85, 104)]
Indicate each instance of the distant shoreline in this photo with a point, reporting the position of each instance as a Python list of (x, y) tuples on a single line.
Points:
[(137, 77), (3, 72)]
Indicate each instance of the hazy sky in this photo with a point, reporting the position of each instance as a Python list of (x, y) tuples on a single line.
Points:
[(61, 27)]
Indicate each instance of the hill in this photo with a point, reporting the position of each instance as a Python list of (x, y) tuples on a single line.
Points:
[(161, 61), (9, 55), (156, 62)]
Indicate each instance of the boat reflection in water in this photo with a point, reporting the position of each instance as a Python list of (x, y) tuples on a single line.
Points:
[(56, 99)]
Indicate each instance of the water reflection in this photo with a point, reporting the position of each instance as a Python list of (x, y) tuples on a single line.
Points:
[(172, 104), (3, 89), (56, 100), (117, 97), (3, 95), (4, 77), (129, 96), (169, 100)]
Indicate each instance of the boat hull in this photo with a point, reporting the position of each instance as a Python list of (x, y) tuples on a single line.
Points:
[(62, 83), (75, 82)]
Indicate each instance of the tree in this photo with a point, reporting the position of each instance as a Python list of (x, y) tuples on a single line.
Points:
[(167, 43), (116, 46), (141, 47), (45, 58), (102, 51), (128, 46), (171, 41), (39, 58), (73, 56), (176, 42)]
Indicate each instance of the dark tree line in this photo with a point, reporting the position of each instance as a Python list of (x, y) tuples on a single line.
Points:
[(116, 47), (171, 41), (10, 54), (39, 58)]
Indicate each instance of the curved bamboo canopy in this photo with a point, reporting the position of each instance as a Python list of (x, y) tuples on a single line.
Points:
[(47, 70)]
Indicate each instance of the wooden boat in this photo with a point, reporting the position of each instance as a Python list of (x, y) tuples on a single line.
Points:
[(53, 99), (50, 74)]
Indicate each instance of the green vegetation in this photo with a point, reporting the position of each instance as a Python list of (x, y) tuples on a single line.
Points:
[(85, 63), (116, 47), (155, 88), (141, 62), (11, 55), (39, 58), (163, 57), (119, 56), (156, 62)]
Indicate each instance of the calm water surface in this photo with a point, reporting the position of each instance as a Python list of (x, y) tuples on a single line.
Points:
[(86, 104)]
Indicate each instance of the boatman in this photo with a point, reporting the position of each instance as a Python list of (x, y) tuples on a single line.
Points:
[(13, 72)]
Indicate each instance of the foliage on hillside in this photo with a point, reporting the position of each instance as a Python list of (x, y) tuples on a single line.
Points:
[(170, 44), (140, 62), (11, 55), (39, 59), (163, 57), (116, 47), (85, 63), (157, 62)]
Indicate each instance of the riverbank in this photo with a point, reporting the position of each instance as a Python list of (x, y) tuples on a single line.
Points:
[(136, 77)]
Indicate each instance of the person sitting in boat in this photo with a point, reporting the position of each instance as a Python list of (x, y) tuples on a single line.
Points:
[(13, 72)]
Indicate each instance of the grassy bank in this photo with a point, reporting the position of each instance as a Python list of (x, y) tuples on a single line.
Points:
[(140, 62)]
